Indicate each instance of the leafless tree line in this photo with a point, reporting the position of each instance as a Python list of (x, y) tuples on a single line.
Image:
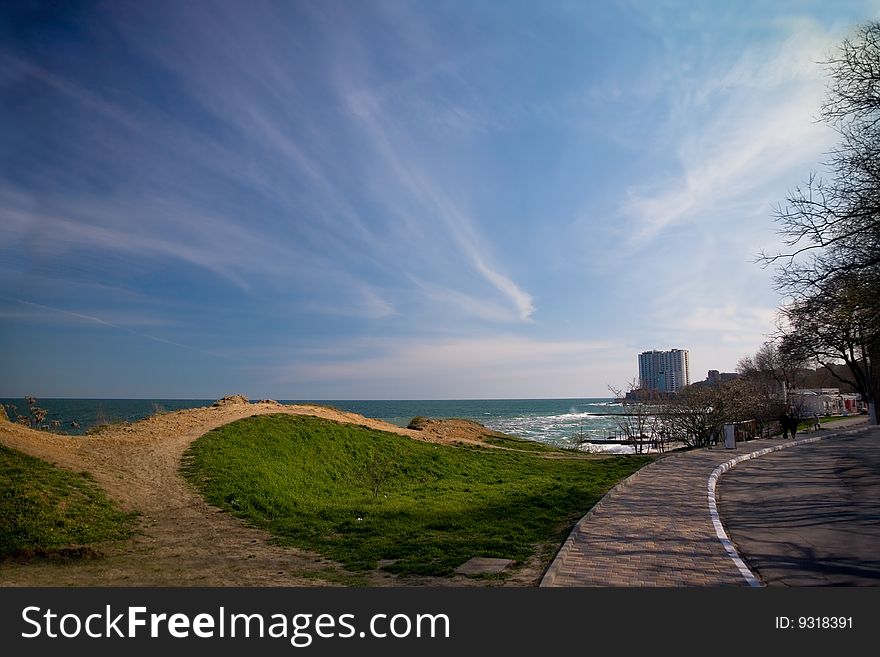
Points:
[(830, 268), (696, 415)]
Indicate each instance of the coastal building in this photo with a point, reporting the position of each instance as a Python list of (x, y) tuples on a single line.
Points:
[(664, 371), (824, 401), (715, 379)]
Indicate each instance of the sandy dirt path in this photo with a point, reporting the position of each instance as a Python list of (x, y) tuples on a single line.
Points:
[(181, 540)]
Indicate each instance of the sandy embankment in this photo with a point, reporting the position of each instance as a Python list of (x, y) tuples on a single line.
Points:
[(181, 540)]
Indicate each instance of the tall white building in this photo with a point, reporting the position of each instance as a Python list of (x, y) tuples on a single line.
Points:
[(664, 371)]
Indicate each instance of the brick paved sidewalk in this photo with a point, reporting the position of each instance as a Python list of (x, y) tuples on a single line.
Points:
[(653, 530)]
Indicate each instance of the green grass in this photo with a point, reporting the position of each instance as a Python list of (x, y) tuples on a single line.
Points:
[(306, 480), (512, 442), (47, 511), (835, 418), (807, 425)]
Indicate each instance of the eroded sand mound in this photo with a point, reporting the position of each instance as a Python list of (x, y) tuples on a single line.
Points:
[(452, 431), (231, 400)]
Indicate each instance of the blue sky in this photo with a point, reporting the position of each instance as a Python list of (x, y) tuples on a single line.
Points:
[(331, 200)]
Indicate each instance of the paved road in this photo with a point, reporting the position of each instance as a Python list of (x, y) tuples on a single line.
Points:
[(655, 529), (810, 515)]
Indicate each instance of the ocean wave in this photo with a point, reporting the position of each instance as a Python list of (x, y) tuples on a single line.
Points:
[(608, 449), (573, 415), (560, 429), (561, 417)]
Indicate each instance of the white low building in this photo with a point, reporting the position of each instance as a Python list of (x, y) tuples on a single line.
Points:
[(824, 401)]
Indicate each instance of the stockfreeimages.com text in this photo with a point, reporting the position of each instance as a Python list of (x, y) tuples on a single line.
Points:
[(301, 629)]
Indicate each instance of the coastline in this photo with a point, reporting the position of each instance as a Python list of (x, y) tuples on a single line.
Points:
[(551, 421), (182, 541)]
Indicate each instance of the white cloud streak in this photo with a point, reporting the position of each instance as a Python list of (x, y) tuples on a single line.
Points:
[(93, 319), (240, 68), (408, 169), (765, 128), (460, 367)]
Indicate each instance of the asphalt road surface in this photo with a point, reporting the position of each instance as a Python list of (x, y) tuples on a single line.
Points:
[(808, 515)]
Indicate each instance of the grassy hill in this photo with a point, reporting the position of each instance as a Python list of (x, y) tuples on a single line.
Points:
[(358, 495)]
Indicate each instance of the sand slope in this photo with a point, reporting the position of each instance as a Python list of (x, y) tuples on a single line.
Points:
[(182, 541)]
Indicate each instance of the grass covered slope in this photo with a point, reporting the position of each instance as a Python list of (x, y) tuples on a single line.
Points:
[(359, 495), (47, 511)]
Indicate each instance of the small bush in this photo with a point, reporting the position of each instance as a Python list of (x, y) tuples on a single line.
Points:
[(378, 471), (418, 423), (35, 417)]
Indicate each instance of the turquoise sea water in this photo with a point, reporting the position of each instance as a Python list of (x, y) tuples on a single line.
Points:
[(553, 421)]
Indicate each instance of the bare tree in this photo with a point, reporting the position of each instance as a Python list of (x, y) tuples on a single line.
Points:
[(773, 368), (831, 227), (834, 328), (35, 415), (637, 422), (695, 416), (660, 433)]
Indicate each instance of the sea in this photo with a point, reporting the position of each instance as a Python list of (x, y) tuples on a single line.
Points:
[(558, 422)]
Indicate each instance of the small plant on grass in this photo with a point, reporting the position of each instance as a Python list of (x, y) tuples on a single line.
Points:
[(378, 470), (576, 444), (577, 441)]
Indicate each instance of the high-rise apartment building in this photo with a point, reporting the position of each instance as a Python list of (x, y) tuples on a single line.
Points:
[(664, 371)]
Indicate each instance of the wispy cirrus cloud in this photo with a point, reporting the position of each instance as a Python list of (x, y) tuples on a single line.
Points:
[(482, 187), (361, 301), (314, 174), (122, 323), (456, 301), (403, 166), (759, 126)]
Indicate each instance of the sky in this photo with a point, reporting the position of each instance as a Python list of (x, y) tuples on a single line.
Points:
[(396, 200)]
